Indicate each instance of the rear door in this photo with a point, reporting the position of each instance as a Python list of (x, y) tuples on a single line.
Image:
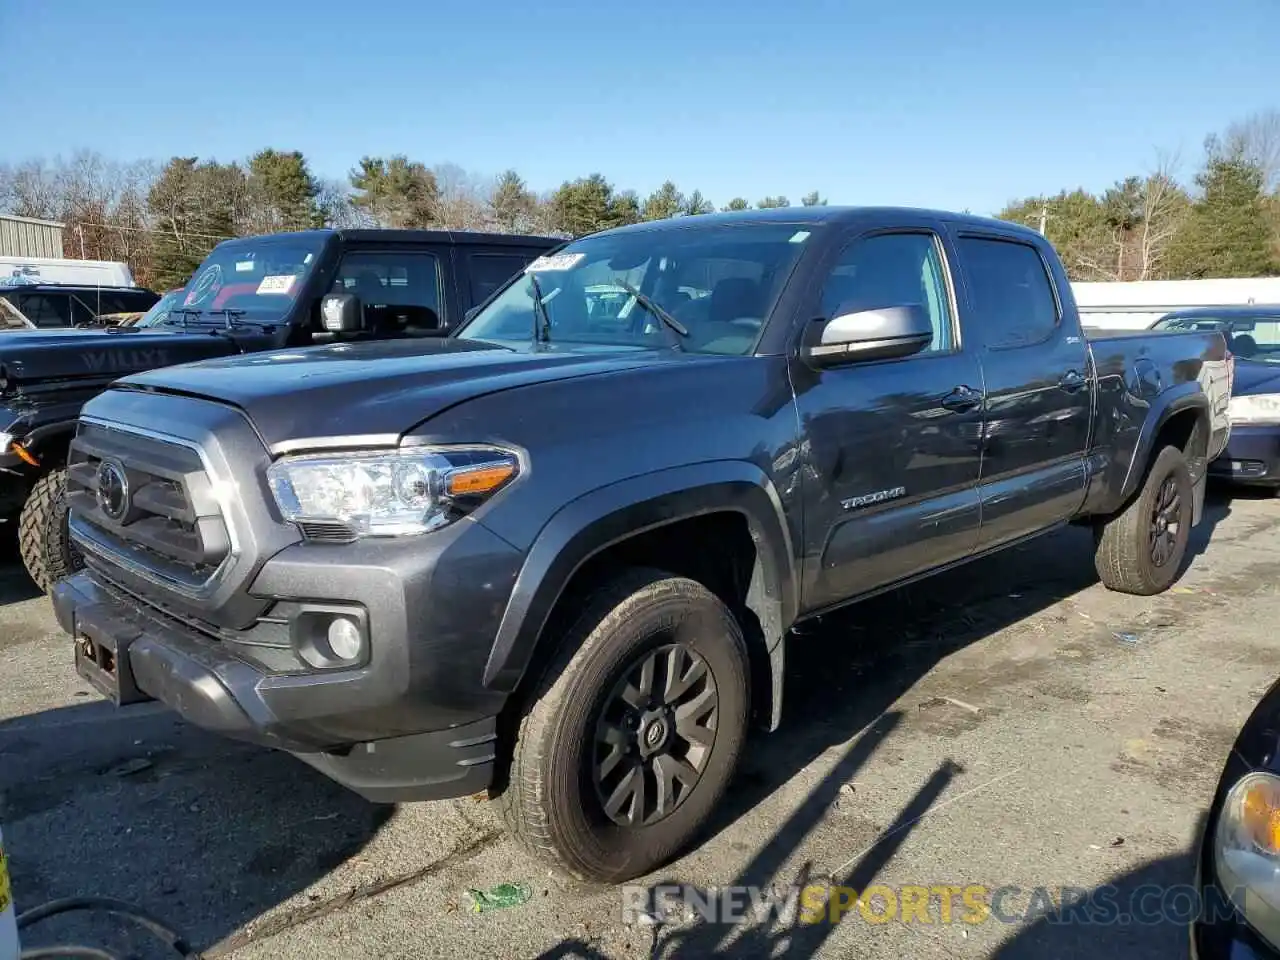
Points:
[(1038, 388)]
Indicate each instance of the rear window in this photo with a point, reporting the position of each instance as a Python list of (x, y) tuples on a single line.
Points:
[(1013, 299)]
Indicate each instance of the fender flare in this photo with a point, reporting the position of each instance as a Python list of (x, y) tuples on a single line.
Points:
[(1170, 403), (37, 440), (613, 513)]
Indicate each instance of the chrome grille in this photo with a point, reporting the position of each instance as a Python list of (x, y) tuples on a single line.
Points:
[(148, 504)]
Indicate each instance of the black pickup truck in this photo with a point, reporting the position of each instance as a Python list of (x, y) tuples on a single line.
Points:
[(252, 294), (557, 554)]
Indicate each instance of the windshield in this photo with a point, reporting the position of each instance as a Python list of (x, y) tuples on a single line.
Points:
[(159, 313), (719, 282), (1254, 338), (260, 278)]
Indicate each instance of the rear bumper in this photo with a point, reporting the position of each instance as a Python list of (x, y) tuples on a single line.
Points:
[(132, 653), (1252, 456)]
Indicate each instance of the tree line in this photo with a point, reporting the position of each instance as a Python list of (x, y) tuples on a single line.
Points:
[(163, 219), (1224, 223)]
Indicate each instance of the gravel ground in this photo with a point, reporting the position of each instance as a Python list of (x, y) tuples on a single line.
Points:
[(984, 727)]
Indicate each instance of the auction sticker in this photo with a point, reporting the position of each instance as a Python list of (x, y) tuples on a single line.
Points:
[(281, 283), (559, 261)]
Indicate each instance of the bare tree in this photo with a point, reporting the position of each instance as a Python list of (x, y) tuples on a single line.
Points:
[(1164, 207), (1257, 140), (29, 190), (464, 199)]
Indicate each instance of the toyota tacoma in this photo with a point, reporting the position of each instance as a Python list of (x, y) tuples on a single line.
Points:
[(557, 554)]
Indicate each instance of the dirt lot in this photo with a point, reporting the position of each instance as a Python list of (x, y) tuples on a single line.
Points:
[(986, 727)]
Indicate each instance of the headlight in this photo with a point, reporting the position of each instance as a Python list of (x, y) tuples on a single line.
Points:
[(5, 440), (1247, 851), (392, 493), (1260, 408)]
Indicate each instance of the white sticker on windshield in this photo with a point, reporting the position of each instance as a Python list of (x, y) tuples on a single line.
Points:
[(560, 261), (800, 236), (277, 284), (307, 258), (244, 266)]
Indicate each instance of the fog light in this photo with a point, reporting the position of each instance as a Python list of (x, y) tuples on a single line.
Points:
[(344, 639)]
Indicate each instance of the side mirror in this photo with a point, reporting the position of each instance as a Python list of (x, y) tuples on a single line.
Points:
[(856, 335), (341, 313)]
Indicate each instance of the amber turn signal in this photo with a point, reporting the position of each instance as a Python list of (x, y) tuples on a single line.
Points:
[(479, 480)]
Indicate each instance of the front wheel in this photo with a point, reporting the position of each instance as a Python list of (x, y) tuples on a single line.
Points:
[(43, 538), (1140, 550), (634, 731)]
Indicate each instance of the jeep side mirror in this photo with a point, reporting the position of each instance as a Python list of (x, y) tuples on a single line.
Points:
[(857, 335), (341, 313)]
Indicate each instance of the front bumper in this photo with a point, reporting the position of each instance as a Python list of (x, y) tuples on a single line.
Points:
[(1252, 456), (412, 723)]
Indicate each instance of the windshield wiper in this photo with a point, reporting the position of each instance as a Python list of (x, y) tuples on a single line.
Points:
[(541, 320), (668, 321), (185, 313)]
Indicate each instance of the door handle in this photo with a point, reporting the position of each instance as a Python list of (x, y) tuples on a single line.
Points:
[(1071, 381), (962, 398)]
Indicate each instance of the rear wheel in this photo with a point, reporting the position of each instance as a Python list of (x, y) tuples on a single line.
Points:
[(1140, 550), (634, 731), (43, 538)]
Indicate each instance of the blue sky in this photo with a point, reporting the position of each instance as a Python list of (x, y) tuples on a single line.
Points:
[(919, 102)]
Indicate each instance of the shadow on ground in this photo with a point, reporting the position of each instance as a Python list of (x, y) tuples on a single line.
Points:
[(213, 834), (15, 585), (848, 669), (206, 833)]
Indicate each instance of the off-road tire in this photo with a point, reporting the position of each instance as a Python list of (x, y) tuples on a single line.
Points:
[(43, 539), (550, 805), (1122, 551)]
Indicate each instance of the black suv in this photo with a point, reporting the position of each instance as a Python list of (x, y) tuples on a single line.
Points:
[(250, 294)]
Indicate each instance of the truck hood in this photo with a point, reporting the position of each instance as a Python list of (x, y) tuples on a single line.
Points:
[(1256, 376), (29, 356), (374, 392)]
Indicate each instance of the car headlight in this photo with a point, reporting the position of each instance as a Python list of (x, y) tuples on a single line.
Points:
[(392, 493), (1247, 851), (5, 440), (1259, 408)]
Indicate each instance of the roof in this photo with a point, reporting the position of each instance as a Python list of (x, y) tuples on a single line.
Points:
[(456, 237), (32, 220), (1246, 311), (840, 216), (6, 287)]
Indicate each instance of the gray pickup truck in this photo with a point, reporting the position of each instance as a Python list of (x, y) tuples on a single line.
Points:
[(557, 554)]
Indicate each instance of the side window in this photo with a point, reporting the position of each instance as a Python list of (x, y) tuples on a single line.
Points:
[(80, 311), (489, 271), (45, 310), (1013, 300), (894, 269), (399, 291)]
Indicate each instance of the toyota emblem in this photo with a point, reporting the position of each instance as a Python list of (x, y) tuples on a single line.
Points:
[(113, 489)]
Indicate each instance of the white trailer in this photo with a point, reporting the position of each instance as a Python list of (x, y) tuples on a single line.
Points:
[(1135, 305), (89, 273)]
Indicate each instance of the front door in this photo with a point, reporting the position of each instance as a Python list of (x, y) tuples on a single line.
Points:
[(892, 447), (1038, 389), (401, 291)]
